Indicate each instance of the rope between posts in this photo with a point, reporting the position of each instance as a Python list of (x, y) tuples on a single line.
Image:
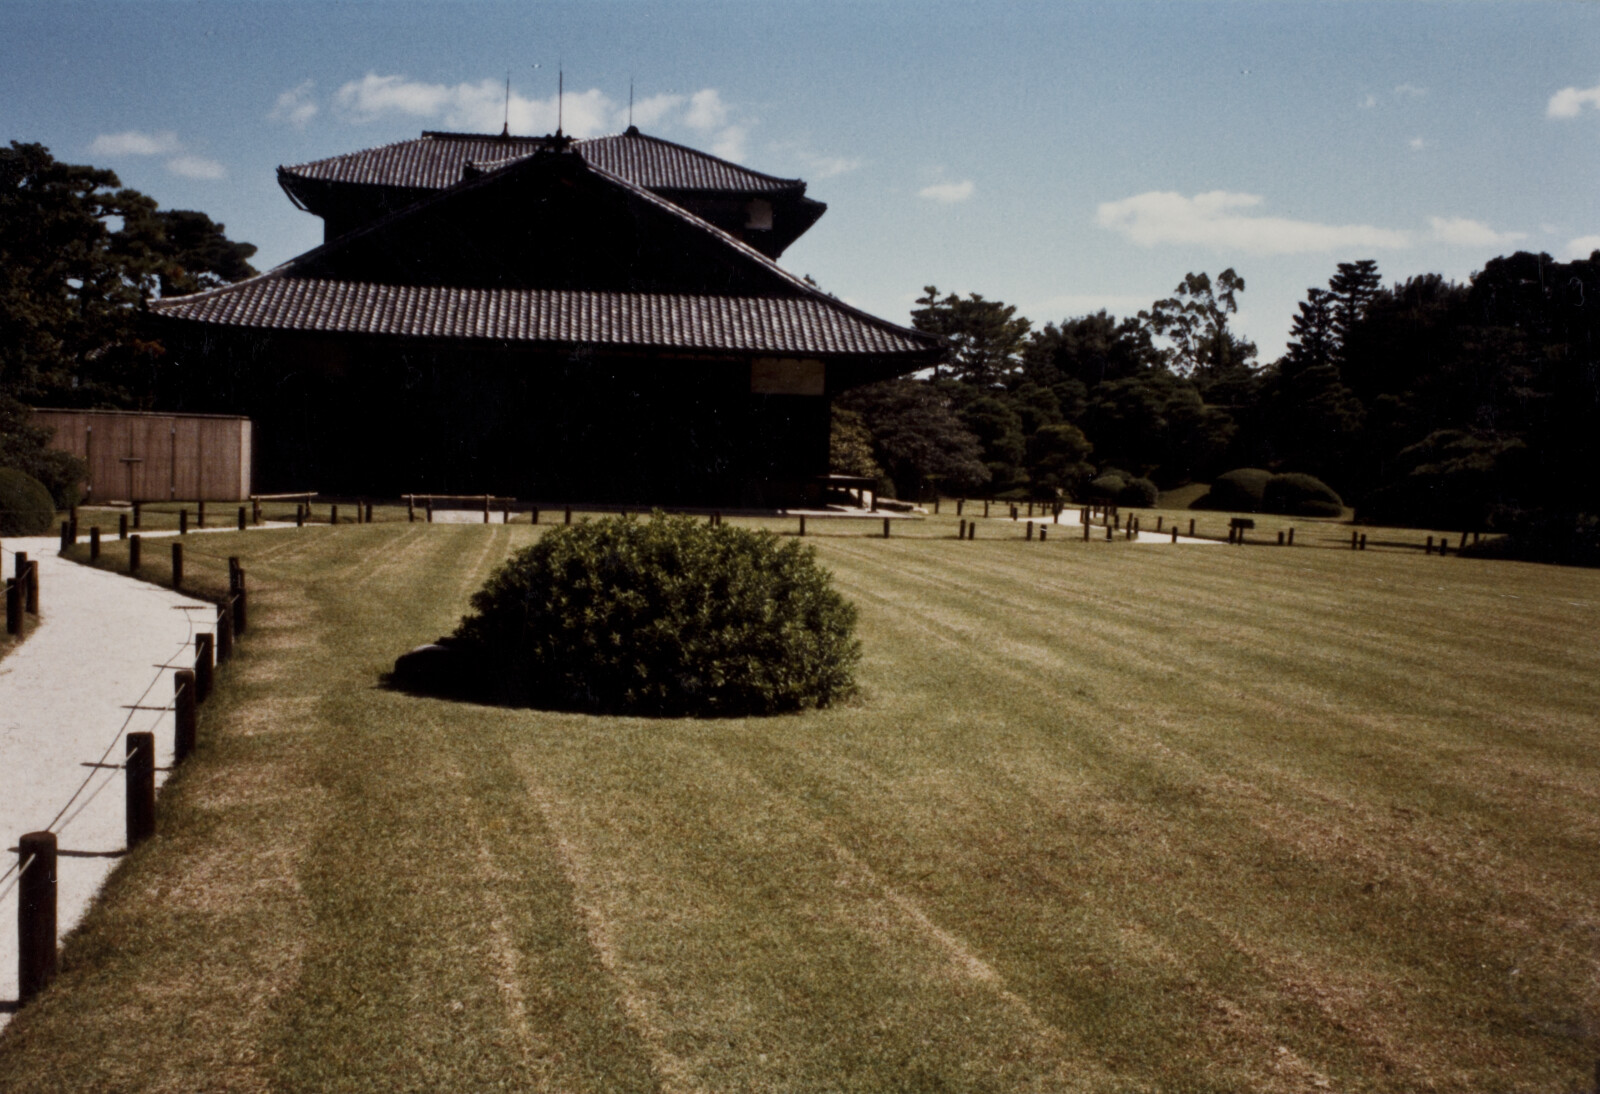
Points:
[(16, 868)]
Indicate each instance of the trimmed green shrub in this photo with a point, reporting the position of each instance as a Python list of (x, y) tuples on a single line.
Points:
[(26, 508), (1137, 493), (1106, 486), (1298, 495), (666, 616), (1239, 491)]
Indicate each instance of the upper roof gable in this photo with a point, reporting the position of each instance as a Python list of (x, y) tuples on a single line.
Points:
[(438, 160)]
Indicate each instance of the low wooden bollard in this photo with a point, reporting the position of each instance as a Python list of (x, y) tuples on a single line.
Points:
[(13, 606), (1462, 546), (243, 523), (1363, 541), (183, 522), (200, 508), (204, 666), (885, 527), (1110, 532), (961, 530), (986, 508), (1427, 548), (1291, 537), (1280, 537), (241, 611), (1042, 530), (134, 544), (1029, 535), (1013, 512), (255, 510), (1444, 546), (486, 510), (535, 514), (299, 516), (136, 515), (94, 543), (566, 516), (1130, 532), (411, 511), (185, 720), (1055, 518), (1086, 527), (66, 535), (36, 914), (72, 521), (802, 524), (936, 506), (225, 631), (1355, 538), (961, 504), (27, 575), (1158, 524), (430, 512), (1030, 508), (139, 780), (122, 526), (1191, 527), (177, 565), (333, 514), (367, 513), (1174, 533)]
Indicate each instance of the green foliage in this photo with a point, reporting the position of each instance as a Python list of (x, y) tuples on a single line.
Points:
[(665, 616), (1195, 320), (1138, 493), (1106, 486), (1299, 495), (986, 337), (1239, 491), (78, 255), (850, 446), (1058, 458), (26, 447), (1568, 539), (917, 437), (25, 505)]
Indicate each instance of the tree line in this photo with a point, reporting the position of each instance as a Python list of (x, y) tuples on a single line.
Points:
[(1425, 401)]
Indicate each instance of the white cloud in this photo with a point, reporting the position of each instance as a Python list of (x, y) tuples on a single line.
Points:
[(1417, 144), (295, 106), (197, 167), (647, 112), (706, 110), (1216, 219), (1582, 247), (826, 167), (1369, 102), (1461, 232), (1570, 101), (948, 193), (480, 106), (1410, 91), (135, 143), (729, 143)]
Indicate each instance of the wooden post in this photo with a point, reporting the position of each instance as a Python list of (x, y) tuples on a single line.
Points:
[(1158, 525), (486, 509), (122, 526), (1444, 546), (73, 520), (1427, 548), (243, 523), (986, 507), (204, 665), (566, 517), (183, 522), (367, 516), (94, 542), (1174, 533), (1013, 512), (1291, 537), (225, 631), (505, 513), (13, 606), (972, 529), (936, 505), (1363, 541), (961, 503), (802, 524), (1355, 538), (411, 509), (177, 565), (133, 554), (430, 510), (1030, 508), (961, 531), (136, 514), (1191, 526), (36, 914), (184, 718), (885, 527), (1055, 518), (299, 515), (535, 514), (66, 535), (1042, 530), (1280, 537), (1029, 535), (139, 779), (1086, 527), (1462, 546), (333, 514), (27, 574), (255, 510), (241, 606), (1110, 532), (202, 513)]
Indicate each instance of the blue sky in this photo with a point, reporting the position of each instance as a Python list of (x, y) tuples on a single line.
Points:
[(1060, 157)]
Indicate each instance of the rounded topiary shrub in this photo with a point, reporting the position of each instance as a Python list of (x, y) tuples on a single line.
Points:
[(1106, 486), (26, 508), (1137, 493), (1241, 491), (665, 616), (1300, 495)]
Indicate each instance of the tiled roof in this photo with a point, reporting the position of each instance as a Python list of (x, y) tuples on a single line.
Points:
[(787, 325), (435, 161)]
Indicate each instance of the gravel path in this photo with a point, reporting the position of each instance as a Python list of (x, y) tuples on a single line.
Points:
[(99, 640)]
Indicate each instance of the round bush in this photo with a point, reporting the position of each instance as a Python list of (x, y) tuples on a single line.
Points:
[(666, 616), (26, 508), (1137, 493), (1298, 495), (1106, 486), (1239, 491)]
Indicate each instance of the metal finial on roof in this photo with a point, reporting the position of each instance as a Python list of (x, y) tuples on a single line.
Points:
[(505, 130), (630, 102), (561, 77)]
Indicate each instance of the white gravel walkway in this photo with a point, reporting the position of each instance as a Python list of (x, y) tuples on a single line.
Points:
[(98, 643)]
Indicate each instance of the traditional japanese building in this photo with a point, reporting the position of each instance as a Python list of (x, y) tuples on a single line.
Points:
[(584, 320)]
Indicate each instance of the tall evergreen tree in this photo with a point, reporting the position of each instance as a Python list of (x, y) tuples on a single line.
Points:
[(986, 337)]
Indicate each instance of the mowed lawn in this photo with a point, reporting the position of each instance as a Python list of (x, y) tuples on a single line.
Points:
[(1105, 817)]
